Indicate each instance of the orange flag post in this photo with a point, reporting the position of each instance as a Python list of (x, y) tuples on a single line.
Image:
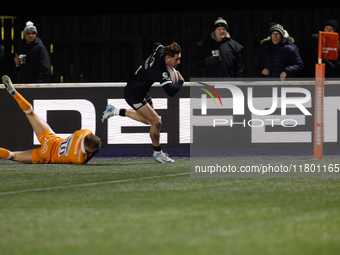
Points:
[(318, 110), (327, 49)]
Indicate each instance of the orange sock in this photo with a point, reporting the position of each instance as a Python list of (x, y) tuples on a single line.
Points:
[(24, 105), (5, 154)]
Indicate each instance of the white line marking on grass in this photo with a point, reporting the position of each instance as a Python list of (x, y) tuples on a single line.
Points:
[(88, 184)]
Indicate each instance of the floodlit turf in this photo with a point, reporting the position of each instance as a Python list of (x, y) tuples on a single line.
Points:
[(142, 207)]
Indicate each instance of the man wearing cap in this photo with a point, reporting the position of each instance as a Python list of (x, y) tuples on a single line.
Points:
[(32, 61), (219, 56), (280, 59)]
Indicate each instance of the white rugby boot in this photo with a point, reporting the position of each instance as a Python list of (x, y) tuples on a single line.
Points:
[(109, 112), (162, 157), (8, 84)]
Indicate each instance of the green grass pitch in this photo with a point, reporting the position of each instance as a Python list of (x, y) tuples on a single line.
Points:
[(142, 207)]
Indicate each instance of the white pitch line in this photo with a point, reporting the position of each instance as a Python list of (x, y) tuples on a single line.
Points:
[(88, 184)]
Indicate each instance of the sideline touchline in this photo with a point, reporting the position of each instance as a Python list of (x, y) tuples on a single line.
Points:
[(88, 184)]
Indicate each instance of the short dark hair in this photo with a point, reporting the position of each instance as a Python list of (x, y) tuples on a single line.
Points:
[(172, 49)]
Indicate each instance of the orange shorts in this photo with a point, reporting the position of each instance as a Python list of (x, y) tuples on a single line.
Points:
[(43, 154)]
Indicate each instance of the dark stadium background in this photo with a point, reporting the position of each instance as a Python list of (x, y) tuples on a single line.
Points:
[(105, 41)]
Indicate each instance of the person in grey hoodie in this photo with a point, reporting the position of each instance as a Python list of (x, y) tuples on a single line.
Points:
[(219, 56)]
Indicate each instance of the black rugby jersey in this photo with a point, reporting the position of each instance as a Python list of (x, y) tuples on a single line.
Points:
[(152, 70)]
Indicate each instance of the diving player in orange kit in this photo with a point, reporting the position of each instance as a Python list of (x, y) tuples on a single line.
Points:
[(79, 148)]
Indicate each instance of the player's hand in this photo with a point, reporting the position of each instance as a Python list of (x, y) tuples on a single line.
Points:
[(180, 76)]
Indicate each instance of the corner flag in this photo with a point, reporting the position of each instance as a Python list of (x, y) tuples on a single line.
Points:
[(327, 49)]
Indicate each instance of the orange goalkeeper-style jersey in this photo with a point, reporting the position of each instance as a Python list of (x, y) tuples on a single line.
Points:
[(57, 150)]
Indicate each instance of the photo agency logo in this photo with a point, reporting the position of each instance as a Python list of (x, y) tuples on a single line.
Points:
[(204, 97), (262, 109)]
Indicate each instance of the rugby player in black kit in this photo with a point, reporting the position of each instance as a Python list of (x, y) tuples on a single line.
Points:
[(136, 93)]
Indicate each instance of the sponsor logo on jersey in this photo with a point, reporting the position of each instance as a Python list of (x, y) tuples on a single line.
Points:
[(44, 146), (65, 146)]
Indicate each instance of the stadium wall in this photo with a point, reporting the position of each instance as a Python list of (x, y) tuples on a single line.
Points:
[(69, 107)]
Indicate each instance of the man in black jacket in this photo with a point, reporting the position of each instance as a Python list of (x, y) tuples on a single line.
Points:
[(219, 55), (32, 60), (280, 59)]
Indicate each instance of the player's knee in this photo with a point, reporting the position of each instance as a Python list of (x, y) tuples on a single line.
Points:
[(156, 122)]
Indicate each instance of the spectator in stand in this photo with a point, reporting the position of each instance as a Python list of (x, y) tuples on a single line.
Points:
[(332, 67), (280, 59), (32, 60), (263, 43), (219, 55)]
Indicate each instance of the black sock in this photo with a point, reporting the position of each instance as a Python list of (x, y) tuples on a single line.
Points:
[(122, 112), (157, 148)]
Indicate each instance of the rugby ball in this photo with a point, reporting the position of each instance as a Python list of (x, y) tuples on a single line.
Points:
[(173, 74)]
